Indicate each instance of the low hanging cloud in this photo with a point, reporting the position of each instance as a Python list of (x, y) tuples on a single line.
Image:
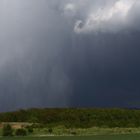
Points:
[(101, 16)]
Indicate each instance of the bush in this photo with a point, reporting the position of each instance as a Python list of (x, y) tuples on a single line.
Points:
[(20, 132), (30, 129), (50, 130), (73, 133), (7, 130)]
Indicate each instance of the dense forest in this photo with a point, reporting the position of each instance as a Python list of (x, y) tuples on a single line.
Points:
[(76, 118)]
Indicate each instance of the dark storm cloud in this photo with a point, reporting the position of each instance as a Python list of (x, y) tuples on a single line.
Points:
[(69, 53)]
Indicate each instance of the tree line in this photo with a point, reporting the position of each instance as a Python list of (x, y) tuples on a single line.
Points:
[(75, 117)]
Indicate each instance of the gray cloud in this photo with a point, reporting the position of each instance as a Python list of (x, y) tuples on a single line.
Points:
[(50, 56), (104, 16)]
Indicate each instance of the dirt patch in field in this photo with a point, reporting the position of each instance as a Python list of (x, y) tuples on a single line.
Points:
[(16, 125)]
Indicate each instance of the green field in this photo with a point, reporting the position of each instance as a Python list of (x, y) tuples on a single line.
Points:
[(114, 137)]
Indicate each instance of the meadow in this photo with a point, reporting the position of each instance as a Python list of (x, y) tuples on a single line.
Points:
[(111, 137)]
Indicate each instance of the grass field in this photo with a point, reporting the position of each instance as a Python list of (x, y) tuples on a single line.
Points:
[(62, 131), (114, 137)]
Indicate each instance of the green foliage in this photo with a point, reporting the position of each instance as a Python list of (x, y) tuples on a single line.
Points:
[(30, 129), (75, 118), (20, 132), (7, 130), (50, 130), (73, 132)]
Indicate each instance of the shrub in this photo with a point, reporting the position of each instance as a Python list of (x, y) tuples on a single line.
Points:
[(50, 130), (7, 130), (20, 132), (30, 129), (73, 133)]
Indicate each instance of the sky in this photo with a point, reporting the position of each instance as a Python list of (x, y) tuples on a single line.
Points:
[(69, 53)]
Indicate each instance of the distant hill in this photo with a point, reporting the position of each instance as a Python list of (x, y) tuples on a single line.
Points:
[(76, 118)]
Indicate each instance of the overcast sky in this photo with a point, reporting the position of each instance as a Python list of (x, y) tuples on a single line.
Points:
[(69, 53)]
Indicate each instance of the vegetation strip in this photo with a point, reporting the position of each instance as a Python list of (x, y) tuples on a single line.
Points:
[(70, 122)]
